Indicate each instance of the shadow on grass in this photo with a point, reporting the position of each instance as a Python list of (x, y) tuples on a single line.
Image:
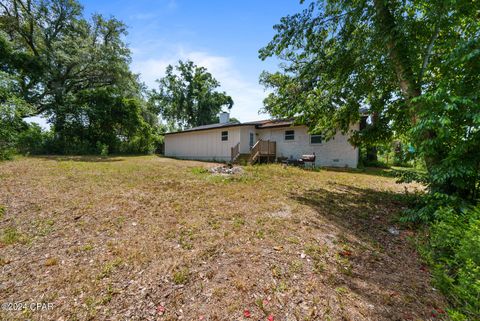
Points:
[(359, 210), (220, 162), (83, 158), (375, 171), (385, 268)]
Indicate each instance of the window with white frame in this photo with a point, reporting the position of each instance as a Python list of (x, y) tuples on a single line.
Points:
[(224, 136), (289, 135), (316, 139)]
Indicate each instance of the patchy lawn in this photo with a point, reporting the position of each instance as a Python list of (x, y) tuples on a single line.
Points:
[(137, 238)]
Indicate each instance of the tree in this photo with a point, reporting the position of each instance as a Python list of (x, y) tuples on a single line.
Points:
[(411, 64), (75, 72), (187, 96), (12, 108), (53, 52)]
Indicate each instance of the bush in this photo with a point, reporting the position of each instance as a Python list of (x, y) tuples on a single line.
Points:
[(453, 249), (6, 152), (34, 140), (102, 149)]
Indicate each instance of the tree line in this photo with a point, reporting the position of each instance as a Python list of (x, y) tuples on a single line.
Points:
[(74, 71)]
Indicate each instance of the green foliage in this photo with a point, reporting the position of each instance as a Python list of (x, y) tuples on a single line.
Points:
[(181, 276), (187, 96), (12, 108), (104, 121), (11, 235), (74, 71), (34, 140), (413, 67), (53, 52), (453, 251), (451, 113)]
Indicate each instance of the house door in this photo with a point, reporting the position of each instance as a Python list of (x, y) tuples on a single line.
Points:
[(252, 138)]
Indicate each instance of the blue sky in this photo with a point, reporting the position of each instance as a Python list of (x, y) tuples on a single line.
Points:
[(223, 36)]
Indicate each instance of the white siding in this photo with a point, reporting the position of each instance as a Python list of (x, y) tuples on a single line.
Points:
[(207, 145), (245, 138), (202, 145), (337, 152)]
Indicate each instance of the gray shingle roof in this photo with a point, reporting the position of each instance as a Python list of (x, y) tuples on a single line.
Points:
[(258, 124)]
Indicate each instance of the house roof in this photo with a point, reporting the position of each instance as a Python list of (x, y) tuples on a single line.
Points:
[(258, 124)]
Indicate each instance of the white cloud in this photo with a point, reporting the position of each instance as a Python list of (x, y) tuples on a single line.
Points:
[(247, 94)]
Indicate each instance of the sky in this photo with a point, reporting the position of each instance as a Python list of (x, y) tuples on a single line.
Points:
[(222, 35)]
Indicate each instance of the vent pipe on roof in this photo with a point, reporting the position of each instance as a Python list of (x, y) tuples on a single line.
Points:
[(224, 117)]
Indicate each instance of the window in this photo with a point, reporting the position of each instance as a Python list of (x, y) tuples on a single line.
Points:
[(315, 139), (224, 136), (289, 135)]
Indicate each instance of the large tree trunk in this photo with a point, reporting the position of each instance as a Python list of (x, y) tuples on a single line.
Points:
[(409, 86), (397, 51)]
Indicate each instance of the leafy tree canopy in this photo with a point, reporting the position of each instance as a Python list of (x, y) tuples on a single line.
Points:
[(413, 65), (75, 71), (187, 96)]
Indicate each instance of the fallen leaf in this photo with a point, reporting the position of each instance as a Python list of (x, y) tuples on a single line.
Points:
[(270, 318), (246, 314), (160, 309)]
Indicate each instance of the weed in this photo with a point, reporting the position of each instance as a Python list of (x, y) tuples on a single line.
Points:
[(109, 267), (341, 290), (314, 250), (87, 247), (261, 306), (296, 266), (260, 234), (44, 227), (281, 287), (180, 276), (10, 236), (214, 223), (199, 170), (344, 265), (185, 243), (238, 222), (293, 240)]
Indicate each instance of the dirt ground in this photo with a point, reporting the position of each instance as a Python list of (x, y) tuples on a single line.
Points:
[(152, 238)]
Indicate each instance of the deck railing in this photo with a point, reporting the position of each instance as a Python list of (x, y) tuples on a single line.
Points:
[(262, 148)]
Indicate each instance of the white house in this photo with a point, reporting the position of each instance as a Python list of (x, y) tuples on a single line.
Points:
[(228, 141)]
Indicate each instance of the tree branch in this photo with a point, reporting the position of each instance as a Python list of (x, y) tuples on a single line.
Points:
[(428, 52), (397, 54)]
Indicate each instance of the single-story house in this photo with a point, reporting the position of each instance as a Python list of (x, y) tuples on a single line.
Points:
[(273, 139)]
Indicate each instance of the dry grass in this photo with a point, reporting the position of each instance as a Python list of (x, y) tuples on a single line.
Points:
[(137, 238)]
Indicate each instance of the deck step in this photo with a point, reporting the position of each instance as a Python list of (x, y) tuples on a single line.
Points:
[(242, 159)]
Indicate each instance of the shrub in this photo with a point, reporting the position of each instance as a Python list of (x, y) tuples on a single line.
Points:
[(102, 149), (6, 153), (34, 140), (453, 250)]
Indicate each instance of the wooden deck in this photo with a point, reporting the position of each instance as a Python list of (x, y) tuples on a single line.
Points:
[(263, 150)]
